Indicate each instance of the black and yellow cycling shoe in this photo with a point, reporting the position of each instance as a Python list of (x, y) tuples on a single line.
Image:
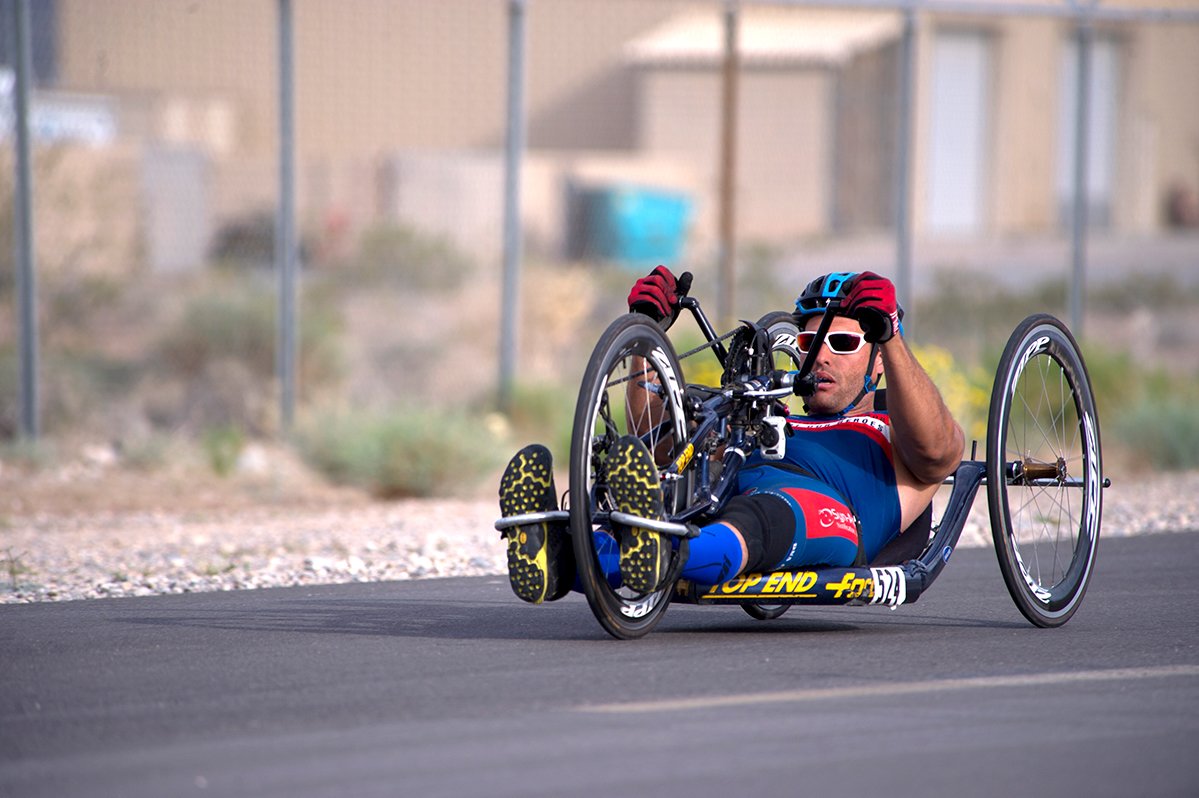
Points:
[(635, 488), (540, 558)]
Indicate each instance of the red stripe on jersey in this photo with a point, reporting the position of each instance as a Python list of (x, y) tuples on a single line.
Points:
[(875, 426), (824, 516)]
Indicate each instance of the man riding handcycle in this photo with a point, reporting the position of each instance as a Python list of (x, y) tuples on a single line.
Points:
[(842, 483), (675, 484)]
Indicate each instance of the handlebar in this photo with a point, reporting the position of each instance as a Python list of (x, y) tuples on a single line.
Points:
[(692, 304), (802, 383), (770, 386)]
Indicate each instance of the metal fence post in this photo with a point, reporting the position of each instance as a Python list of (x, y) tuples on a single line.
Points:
[(1081, 127), (285, 244), (903, 171), (728, 169), (23, 243), (514, 149)]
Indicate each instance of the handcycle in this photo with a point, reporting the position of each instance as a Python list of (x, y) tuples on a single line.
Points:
[(1042, 470)]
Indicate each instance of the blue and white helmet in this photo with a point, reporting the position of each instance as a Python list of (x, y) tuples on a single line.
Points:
[(817, 295)]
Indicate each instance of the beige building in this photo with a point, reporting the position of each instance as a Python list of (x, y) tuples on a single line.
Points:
[(400, 113)]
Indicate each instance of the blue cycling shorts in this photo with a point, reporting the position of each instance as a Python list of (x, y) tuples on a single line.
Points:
[(826, 530)]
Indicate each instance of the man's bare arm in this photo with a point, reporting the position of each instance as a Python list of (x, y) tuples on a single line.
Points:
[(924, 434)]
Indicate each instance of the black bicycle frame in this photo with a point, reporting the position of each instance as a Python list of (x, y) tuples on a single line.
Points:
[(888, 585), (713, 412)]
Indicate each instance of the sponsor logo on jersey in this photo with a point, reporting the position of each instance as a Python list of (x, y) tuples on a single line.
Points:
[(831, 516), (823, 516)]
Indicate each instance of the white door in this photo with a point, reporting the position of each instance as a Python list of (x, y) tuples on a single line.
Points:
[(1101, 130), (960, 106)]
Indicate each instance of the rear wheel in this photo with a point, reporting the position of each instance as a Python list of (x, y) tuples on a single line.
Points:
[(1044, 471), (784, 333), (633, 385)]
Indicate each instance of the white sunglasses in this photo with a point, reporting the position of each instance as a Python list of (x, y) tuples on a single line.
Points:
[(839, 343)]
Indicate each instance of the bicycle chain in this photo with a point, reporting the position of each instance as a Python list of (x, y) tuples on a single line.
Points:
[(708, 345), (683, 356)]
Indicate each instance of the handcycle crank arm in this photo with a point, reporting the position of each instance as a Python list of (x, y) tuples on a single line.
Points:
[(532, 518), (709, 420), (654, 525)]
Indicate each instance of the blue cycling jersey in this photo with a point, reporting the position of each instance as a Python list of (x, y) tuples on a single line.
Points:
[(852, 455)]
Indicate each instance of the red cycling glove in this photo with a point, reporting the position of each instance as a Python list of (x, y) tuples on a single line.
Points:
[(657, 295), (871, 300)]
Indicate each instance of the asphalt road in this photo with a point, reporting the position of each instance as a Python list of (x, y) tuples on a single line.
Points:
[(453, 687)]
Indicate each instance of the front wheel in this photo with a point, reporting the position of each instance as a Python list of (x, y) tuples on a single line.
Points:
[(633, 385), (1044, 471), (783, 333)]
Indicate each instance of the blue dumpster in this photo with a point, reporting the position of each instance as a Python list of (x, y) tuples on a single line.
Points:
[(635, 226)]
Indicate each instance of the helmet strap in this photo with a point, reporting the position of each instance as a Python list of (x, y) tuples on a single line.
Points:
[(868, 383)]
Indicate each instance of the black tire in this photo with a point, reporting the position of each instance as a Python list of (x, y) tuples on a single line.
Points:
[(765, 612), (783, 331), (602, 415), (1044, 471)]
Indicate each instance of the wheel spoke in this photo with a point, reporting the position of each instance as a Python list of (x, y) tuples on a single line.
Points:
[(1034, 416)]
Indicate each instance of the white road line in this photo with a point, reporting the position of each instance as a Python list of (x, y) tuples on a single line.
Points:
[(901, 688)]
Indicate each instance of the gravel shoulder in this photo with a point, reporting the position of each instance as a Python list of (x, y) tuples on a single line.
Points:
[(75, 536)]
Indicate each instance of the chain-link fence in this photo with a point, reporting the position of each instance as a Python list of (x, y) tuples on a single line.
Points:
[(156, 160)]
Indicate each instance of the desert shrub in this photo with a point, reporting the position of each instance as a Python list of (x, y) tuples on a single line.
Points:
[(248, 241), (222, 324), (1147, 414), (148, 451), (413, 451), (223, 445), (543, 413), (72, 304), (965, 389), (33, 455), (1161, 430), (1155, 291), (10, 392), (237, 320), (79, 387), (74, 387), (701, 367), (759, 290), (407, 257), (974, 318), (1116, 380)]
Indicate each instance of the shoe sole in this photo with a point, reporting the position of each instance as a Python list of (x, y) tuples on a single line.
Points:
[(527, 486), (636, 489)]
